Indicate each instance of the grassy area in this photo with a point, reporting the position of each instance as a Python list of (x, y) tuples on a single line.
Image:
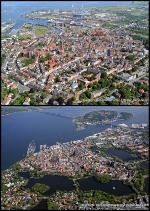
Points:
[(28, 25), (40, 30), (105, 146), (3, 35), (24, 37), (115, 8), (132, 33)]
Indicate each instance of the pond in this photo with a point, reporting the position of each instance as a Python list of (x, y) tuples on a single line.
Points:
[(41, 206), (120, 153), (146, 188), (61, 183), (91, 184), (145, 165)]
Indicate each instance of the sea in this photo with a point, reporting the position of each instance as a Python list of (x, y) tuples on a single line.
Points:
[(11, 11), (19, 129)]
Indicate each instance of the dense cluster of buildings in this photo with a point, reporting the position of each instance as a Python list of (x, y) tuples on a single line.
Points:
[(13, 197), (76, 157), (69, 200), (73, 52)]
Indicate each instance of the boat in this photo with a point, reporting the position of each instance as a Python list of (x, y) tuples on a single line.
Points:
[(114, 188)]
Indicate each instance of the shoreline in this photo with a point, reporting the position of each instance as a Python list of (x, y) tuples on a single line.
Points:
[(29, 109), (14, 113), (78, 125)]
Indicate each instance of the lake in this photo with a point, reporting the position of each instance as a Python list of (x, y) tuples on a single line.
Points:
[(41, 206), (64, 183), (54, 182), (146, 188), (19, 129), (145, 165), (91, 184), (120, 153)]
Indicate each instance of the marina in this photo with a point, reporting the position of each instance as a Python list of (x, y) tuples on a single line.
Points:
[(31, 148)]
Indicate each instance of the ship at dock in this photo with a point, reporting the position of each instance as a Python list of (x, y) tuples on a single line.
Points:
[(31, 148)]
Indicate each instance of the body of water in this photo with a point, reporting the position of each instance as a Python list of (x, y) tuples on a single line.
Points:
[(41, 206), (120, 153), (91, 184), (145, 165), (12, 10), (54, 182), (146, 188), (63, 183), (19, 129)]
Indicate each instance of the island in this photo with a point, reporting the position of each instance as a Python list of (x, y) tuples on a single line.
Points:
[(100, 117), (77, 161)]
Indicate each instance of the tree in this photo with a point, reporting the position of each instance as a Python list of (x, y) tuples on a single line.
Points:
[(48, 56), (42, 59), (33, 102), (131, 51), (114, 103), (60, 100), (43, 95), (15, 91), (25, 94), (69, 102), (50, 102), (80, 85), (57, 79), (144, 95), (105, 75), (73, 98), (20, 55), (90, 86), (32, 90), (131, 57)]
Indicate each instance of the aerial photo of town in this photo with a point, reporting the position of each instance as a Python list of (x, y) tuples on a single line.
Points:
[(75, 158), (74, 53)]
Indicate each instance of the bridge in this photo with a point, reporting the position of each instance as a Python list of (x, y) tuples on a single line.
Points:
[(54, 114)]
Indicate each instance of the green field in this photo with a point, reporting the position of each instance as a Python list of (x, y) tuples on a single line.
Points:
[(105, 146), (28, 25), (132, 33), (40, 30), (24, 37)]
